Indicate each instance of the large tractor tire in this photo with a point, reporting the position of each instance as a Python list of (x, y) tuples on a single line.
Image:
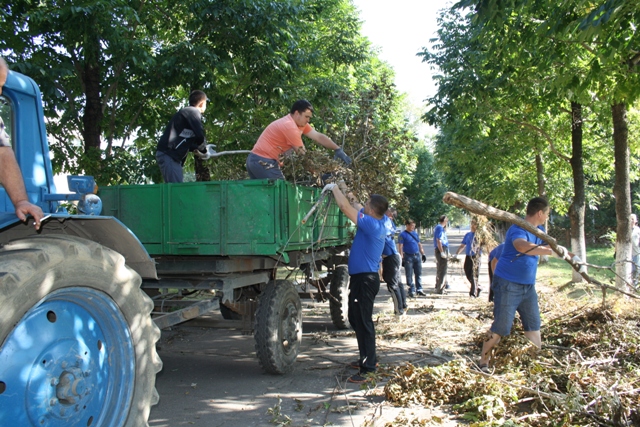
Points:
[(339, 304), (278, 327), (77, 343)]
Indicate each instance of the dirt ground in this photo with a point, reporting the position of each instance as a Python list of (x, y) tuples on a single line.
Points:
[(211, 377)]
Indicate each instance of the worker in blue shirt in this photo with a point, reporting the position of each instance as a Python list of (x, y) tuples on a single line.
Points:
[(413, 256), (391, 262), (364, 259), (441, 249)]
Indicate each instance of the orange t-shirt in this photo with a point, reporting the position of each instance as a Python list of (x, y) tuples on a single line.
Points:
[(279, 137)]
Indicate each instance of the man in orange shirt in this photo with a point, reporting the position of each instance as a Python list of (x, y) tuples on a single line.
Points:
[(283, 135)]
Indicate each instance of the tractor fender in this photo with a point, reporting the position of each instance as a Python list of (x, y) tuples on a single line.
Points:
[(105, 230)]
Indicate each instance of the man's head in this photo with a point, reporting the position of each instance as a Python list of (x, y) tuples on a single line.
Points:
[(410, 224), (376, 206), (301, 111), (538, 210), (474, 225), (198, 99), (634, 219), (392, 213), (4, 70), (443, 220)]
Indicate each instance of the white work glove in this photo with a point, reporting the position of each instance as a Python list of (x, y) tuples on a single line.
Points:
[(455, 256), (443, 254), (328, 187), (583, 268), (561, 252)]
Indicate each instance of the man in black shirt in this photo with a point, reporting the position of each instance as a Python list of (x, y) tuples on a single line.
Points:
[(184, 133)]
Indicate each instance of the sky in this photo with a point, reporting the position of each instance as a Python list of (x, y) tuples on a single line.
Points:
[(401, 29)]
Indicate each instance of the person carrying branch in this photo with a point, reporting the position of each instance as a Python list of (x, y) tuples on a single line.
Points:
[(284, 136), (441, 250), (472, 259), (514, 281), (364, 281)]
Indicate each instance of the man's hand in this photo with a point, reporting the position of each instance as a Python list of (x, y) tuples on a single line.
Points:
[(24, 208), (424, 258), (300, 151), (340, 154), (328, 187), (561, 252), (443, 254)]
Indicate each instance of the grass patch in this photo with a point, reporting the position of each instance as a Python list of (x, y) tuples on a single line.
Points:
[(558, 272)]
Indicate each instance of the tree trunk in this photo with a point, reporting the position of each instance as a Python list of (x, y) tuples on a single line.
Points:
[(542, 192), (92, 81), (622, 194), (577, 208)]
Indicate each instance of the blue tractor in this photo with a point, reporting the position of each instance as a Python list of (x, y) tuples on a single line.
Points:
[(77, 342)]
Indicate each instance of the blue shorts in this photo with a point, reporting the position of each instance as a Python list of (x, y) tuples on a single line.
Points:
[(509, 297)]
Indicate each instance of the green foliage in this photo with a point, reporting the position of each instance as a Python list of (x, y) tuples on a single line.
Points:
[(425, 189), (113, 72)]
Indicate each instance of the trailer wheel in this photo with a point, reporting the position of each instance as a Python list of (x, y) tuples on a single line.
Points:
[(77, 343), (278, 327), (340, 291)]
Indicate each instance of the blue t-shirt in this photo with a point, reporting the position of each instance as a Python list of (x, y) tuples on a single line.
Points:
[(367, 244), (389, 241), (470, 245), (410, 245), (518, 268), (440, 233), (496, 252)]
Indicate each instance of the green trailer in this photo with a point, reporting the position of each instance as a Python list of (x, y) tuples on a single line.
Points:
[(227, 240)]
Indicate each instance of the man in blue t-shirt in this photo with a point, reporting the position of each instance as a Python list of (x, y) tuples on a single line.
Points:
[(364, 259), (391, 261), (413, 256), (472, 259), (441, 249), (514, 281)]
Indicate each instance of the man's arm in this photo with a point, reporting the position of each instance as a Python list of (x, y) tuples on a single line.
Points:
[(11, 179), (322, 139), (347, 204)]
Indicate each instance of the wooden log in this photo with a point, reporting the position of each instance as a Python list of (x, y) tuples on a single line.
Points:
[(480, 208)]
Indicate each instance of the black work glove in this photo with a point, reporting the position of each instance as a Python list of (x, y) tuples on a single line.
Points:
[(340, 154), (424, 258)]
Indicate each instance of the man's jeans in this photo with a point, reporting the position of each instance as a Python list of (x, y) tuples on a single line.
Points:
[(413, 265)]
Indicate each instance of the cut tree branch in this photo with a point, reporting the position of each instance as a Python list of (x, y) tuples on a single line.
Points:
[(480, 208)]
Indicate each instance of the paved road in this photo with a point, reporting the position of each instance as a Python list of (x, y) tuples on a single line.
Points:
[(212, 379)]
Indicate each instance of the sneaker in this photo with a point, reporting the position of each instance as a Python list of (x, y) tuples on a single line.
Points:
[(440, 291), (447, 287), (412, 295), (422, 294), (358, 379), (356, 364), (484, 368)]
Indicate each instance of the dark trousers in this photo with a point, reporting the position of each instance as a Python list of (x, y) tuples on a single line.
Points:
[(363, 289), (472, 271), (490, 283), (441, 270), (413, 267), (391, 276)]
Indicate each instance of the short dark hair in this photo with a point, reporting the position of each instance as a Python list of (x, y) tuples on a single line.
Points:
[(379, 204), (536, 205), (301, 106), (196, 97), (442, 218), (409, 221)]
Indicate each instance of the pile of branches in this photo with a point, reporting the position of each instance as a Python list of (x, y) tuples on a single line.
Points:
[(587, 374)]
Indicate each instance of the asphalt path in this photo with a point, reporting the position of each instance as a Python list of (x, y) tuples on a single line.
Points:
[(211, 377)]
